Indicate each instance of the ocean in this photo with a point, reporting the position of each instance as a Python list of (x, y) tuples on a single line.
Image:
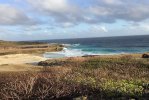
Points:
[(100, 46)]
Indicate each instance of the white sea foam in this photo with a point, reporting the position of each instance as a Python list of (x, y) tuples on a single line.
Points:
[(71, 45), (69, 52), (72, 52), (64, 53)]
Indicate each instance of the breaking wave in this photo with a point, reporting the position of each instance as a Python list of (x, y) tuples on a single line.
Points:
[(71, 52)]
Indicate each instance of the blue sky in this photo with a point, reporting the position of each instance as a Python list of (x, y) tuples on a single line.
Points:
[(57, 19)]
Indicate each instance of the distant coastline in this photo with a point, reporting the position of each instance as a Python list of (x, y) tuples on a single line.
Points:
[(7, 47), (82, 38), (102, 46)]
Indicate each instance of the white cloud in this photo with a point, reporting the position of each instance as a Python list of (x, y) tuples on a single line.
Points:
[(12, 16), (58, 16), (67, 24), (101, 11), (144, 27), (112, 2), (104, 28), (50, 5), (61, 12), (99, 29)]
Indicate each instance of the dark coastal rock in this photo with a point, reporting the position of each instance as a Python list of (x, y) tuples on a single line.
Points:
[(145, 56), (43, 63), (90, 55), (51, 63)]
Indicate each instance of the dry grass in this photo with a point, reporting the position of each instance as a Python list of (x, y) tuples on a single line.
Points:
[(27, 47), (93, 77), (19, 68)]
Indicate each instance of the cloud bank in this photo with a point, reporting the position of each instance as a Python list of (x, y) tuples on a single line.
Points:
[(100, 11), (51, 18)]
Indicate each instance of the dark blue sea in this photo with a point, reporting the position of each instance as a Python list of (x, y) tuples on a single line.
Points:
[(101, 46)]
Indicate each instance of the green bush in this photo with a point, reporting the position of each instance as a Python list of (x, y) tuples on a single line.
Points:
[(124, 87)]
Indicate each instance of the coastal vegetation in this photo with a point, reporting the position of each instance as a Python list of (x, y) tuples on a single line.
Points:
[(8, 47), (93, 78)]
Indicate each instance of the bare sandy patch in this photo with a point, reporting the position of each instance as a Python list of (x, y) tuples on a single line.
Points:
[(20, 59)]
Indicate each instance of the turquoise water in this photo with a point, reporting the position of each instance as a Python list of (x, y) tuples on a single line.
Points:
[(101, 46)]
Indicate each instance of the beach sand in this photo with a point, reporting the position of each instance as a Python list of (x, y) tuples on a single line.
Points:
[(19, 62), (20, 59)]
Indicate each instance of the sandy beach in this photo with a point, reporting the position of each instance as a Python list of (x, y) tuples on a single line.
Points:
[(19, 62), (20, 59)]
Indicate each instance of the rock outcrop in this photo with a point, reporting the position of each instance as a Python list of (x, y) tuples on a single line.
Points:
[(145, 56), (52, 63)]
